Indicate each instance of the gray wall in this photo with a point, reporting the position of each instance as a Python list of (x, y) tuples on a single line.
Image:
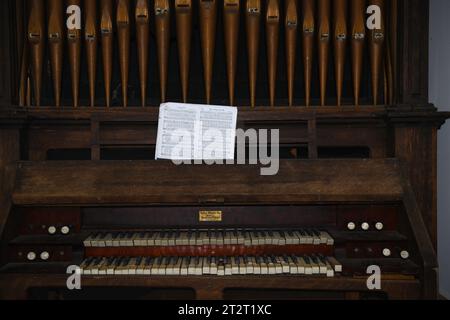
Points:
[(440, 96)]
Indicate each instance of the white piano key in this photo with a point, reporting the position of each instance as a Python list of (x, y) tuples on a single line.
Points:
[(234, 265), (271, 238), (330, 270), (212, 238), (254, 240), (109, 239), (285, 265), (151, 240), (263, 265), (206, 269), (242, 266), (184, 266), (165, 239), (328, 237), (147, 266), (293, 268), (177, 266), (337, 266), (199, 238), (277, 264), (304, 266), (158, 239), (84, 264), (228, 267), (170, 266), (155, 266), (140, 266), (287, 236), (115, 239), (322, 266), (249, 268), (183, 240), (137, 239), (295, 237), (316, 237), (132, 266), (191, 266), (198, 266), (314, 266), (267, 239), (220, 238), (247, 238), (277, 239), (192, 238), (172, 238), (271, 268), (256, 266), (308, 238), (234, 237), (227, 238), (213, 269), (111, 266), (94, 240), (240, 238), (164, 264)]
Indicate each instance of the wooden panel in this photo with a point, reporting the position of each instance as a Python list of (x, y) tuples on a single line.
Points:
[(9, 152), (413, 57), (138, 182), (15, 286), (416, 147)]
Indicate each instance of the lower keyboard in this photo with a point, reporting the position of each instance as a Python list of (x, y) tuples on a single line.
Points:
[(219, 266)]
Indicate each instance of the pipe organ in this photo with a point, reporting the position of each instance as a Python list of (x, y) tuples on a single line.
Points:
[(346, 89), (330, 56)]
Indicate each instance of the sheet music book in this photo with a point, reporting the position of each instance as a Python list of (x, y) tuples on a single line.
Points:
[(196, 132)]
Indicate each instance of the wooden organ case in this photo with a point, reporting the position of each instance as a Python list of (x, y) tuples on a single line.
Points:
[(78, 116)]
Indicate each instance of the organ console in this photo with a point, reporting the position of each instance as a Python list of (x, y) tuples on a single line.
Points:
[(80, 187)]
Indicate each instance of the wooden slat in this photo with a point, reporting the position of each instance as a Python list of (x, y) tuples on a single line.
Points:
[(141, 182), (15, 285)]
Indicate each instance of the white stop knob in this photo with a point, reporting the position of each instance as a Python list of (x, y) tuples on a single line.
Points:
[(31, 256), (45, 255), (379, 226), (404, 254), (386, 252), (351, 226), (65, 230), (51, 230), (365, 226)]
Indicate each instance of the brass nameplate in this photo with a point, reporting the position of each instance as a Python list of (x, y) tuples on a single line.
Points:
[(210, 216)]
